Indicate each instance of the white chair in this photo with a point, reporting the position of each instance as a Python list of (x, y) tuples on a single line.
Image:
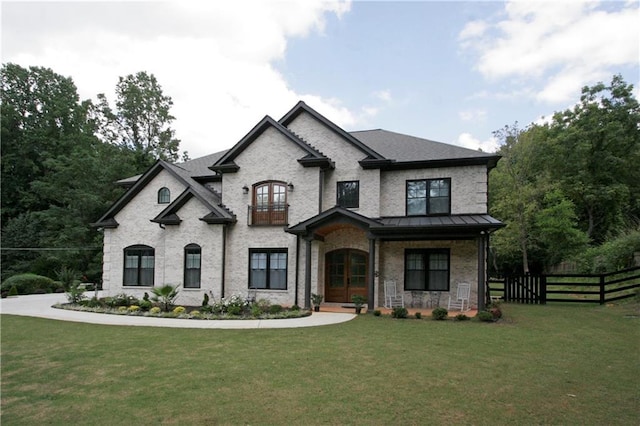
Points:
[(391, 297), (462, 296)]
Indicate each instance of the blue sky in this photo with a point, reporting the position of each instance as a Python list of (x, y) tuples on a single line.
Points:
[(448, 71)]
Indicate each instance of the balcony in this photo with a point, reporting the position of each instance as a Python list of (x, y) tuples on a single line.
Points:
[(268, 214)]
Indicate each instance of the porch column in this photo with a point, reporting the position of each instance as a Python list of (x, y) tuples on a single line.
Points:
[(372, 273), (307, 273), (481, 271)]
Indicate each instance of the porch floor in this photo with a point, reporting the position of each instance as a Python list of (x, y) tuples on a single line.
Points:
[(426, 312)]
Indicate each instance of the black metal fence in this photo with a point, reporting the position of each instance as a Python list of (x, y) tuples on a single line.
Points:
[(571, 288)]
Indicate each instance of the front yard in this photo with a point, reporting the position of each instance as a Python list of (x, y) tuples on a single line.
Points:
[(540, 365)]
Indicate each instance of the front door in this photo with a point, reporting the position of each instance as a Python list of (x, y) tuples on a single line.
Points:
[(346, 275)]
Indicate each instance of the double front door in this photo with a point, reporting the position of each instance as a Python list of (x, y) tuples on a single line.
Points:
[(345, 275)]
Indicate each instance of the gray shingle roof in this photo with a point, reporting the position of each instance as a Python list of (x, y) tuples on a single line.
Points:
[(400, 147)]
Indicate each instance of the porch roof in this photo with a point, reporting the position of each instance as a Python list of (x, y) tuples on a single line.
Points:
[(403, 227), (453, 226)]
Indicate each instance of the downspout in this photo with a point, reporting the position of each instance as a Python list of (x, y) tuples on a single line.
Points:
[(224, 259), (307, 273), (372, 273), (481, 271), (320, 190), (295, 302)]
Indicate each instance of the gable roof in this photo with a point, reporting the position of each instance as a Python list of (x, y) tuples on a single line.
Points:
[(405, 151), (302, 107), (312, 158), (193, 189)]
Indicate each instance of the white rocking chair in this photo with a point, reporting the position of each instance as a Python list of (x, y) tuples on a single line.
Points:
[(391, 297), (462, 296)]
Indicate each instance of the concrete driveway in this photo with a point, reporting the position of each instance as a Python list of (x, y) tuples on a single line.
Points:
[(39, 305)]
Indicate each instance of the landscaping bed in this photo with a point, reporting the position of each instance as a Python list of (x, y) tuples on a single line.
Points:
[(232, 308)]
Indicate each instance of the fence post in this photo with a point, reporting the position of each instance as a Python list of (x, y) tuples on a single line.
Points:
[(543, 289), (602, 284)]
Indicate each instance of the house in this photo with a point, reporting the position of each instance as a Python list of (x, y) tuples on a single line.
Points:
[(300, 206)]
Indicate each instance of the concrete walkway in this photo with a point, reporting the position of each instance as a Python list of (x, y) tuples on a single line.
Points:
[(39, 305)]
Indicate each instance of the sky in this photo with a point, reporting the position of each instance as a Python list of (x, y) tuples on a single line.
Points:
[(450, 71)]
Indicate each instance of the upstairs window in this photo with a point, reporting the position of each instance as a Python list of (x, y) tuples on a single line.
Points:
[(269, 204), (192, 266), (164, 196), (426, 269), (139, 262), (428, 197), (348, 194)]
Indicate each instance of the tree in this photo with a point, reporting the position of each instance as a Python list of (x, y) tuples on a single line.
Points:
[(595, 152), (542, 228), (142, 120), (514, 193), (40, 116), (57, 177)]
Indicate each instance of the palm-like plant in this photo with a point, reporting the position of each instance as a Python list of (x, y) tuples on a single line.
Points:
[(165, 295)]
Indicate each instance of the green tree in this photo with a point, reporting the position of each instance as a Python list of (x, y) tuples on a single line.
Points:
[(594, 156), (142, 119), (57, 177), (514, 195)]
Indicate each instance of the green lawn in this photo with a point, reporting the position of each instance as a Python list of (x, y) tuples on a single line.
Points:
[(541, 365)]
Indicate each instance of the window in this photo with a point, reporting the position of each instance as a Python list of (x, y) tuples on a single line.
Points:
[(348, 194), (164, 196), (192, 266), (269, 204), (426, 269), (428, 197), (138, 266), (268, 269)]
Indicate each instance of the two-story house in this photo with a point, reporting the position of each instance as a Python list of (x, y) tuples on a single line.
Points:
[(300, 206)]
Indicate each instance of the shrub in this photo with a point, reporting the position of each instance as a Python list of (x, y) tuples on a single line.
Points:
[(179, 310), (377, 313), (68, 277), (295, 308), (94, 302), (256, 311), (165, 295), (264, 305), (205, 300), (418, 315), (123, 308), (439, 313), (462, 317), (28, 283), (13, 291), (234, 305), (485, 316), (75, 292), (234, 310), (145, 305), (275, 309), (207, 309), (155, 310), (133, 308), (399, 312), (496, 312), (195, 314)]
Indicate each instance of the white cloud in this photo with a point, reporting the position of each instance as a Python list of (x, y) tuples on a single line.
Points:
[(467, 140), (383, 95), (562, 44), (473, 115), (213, 58)]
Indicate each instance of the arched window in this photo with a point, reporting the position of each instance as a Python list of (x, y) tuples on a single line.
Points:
[(270, 203), (139, 262), (164, 196), (192, 266)]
